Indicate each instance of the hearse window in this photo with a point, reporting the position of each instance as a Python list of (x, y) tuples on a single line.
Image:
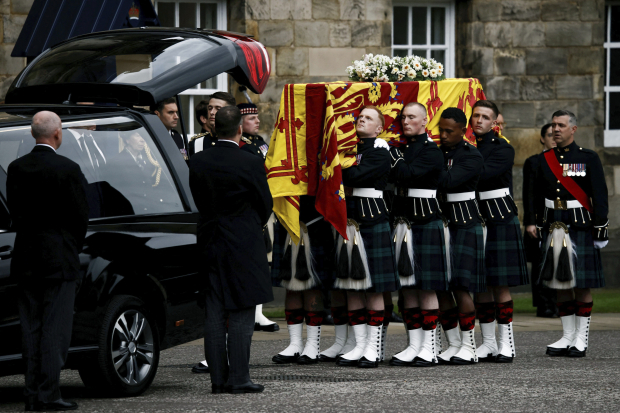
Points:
[(125, 171)]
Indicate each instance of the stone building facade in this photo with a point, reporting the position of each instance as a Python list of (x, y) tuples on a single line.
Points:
[(532, 57)]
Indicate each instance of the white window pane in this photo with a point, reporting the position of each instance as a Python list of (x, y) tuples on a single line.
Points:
[(165, 13), (401, 52), (418, 25), (401, 23), (614, 110), (613, 67), (187, 15), (208, 15), (438, 25), (209, 83)]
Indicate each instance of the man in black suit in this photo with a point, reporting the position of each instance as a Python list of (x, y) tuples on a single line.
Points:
[(47, 199), (231, 192), (168, 112)]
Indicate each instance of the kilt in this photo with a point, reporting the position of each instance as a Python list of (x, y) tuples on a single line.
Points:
[(322, 248), (588, 264), (467, 255), (429, 249), (504, 255), (381, 261)]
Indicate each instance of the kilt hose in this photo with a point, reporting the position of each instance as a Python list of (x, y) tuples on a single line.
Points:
[(467, 257), (588, 266), (381, 261), (429, 249), (322, 248), (505, 255)]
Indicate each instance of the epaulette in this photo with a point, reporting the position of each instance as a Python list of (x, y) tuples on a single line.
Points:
[(200, 135), (246, 140), (586, 150)]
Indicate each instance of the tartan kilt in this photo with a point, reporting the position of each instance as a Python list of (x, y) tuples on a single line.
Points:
[(504, 255), (467, 258), (588, 264), (322, 248), (381, 260), (429, 249)]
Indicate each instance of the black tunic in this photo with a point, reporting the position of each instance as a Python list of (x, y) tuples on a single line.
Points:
[(255, 145), (421, 169), (208, 138)]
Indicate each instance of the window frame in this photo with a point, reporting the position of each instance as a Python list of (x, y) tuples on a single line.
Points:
[(450, 22), (222, 79), (611, 136)]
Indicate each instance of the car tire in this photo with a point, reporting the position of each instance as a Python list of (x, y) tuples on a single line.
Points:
[(128, 354)]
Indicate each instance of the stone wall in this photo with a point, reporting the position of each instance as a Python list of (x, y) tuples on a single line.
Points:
[(13, 14), (310, 40)]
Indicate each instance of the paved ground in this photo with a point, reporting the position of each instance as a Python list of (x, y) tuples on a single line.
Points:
[(534, 382)]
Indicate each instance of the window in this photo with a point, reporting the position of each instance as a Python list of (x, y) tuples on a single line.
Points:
[(205, 14), (124, 169), (612, 74), (426, 30)]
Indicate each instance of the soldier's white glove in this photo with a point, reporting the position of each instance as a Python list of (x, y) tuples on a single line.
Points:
[(396, 155), (600, 244)]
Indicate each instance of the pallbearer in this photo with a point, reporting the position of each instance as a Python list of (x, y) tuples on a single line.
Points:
[(420, 241), (304, 269), (506, 265), (365, 262), (573, 221), (459, 178)]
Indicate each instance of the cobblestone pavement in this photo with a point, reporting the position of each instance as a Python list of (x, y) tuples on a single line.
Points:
[(534, 382)]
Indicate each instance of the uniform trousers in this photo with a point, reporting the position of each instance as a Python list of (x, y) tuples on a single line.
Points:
[(46, 316), (228, 359)]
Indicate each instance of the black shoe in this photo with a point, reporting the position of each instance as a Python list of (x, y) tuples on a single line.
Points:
[(399, 363), (57, 406), (488, 359), (420, 362), (267, 327), (460, 362), (249, 387), (307, 360), (556, 352), (346, 363), (573, 352), (395, 318), (502, 359), (218, 388), (200, 368), (367, 364), (280, 359), (326, 359)]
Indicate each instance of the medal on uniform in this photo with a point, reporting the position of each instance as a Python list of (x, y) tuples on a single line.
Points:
[(450, 163), (358, 159), (571, 170), (583, 169), (264, 148), (564, 169)]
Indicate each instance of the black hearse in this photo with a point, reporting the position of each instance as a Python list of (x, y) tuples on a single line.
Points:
[(141, 286)]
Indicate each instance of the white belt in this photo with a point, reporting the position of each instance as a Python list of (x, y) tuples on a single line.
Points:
[(421, 193), (461, 196), (367, 193), (496, 193), (564, 204)]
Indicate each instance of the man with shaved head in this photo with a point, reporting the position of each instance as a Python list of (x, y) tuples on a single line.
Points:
[(47, 200), (419, 228)]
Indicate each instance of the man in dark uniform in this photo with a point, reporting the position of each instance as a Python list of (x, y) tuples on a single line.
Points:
[(202, 115), (168, 112), (543, 298), (505, 261), (206, 139), (47, 200), (365, 263), (573, 221), (419, 237), (251, 141), (232, 195), (459, 179)]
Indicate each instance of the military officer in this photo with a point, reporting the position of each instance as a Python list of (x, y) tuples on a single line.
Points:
[(459, 179), (251, 141), (206, 139), (419, 236), (168, 112), (505, 261), (202, 115), (573, 221)]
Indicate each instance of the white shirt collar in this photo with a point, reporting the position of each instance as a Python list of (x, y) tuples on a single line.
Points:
[(228, 140), (45, 144)]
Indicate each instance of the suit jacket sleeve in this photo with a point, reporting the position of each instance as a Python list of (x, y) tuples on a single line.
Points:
[(407, 173), (469, 165), (500, 161), (599, 191), (374, 164), (263, 199), (76, 201)]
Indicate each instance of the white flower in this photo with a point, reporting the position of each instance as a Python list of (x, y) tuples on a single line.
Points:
[(439, 66), (417, 65), (411, 74), (401, 76), (406, 67), (425, 73), (394, 70), (384, 78), (433, 72)]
